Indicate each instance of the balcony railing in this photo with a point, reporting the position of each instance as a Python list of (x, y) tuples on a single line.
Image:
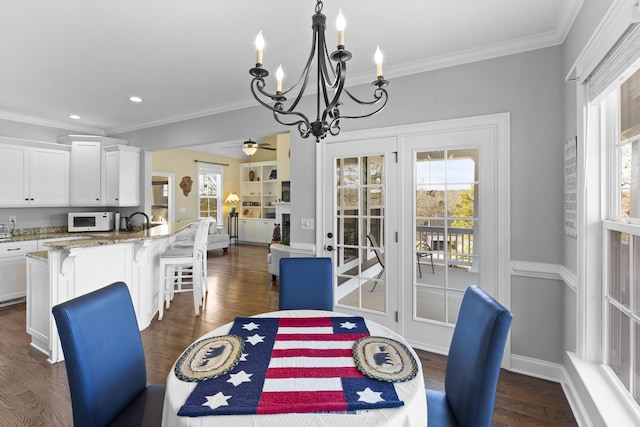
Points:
[(449, 245)]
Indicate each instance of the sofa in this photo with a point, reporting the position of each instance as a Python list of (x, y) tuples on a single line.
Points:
[(217, 238), (276, 251)]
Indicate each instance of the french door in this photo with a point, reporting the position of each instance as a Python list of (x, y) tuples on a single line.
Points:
[(359, 230), (413, 218)]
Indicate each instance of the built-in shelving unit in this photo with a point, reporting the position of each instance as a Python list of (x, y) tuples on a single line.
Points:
[(260, 190)]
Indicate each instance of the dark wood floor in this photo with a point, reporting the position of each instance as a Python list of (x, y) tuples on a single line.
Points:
[(35, 393)]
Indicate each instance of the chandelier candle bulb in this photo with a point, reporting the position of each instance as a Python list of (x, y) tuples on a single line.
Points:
[(378, 58), (259, 48), (340, 25), (279, 77)]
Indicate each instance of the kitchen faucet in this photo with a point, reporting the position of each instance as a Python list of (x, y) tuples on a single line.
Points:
[(141, 213)]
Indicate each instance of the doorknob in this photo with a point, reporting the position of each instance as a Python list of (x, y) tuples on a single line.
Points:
[(329, 248), (329, 235)]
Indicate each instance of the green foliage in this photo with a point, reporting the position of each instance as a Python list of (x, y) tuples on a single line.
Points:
[(464, 208)]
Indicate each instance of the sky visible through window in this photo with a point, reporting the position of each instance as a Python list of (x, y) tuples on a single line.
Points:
[(432, 172)]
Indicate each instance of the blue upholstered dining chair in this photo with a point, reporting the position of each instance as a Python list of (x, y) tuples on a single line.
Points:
[(105, 363), (306, 283), (473, 364)]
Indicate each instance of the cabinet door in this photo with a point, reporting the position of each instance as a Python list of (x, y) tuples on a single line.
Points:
[(13, 269), (48, 177), (38, 304), (122, 178), (112, 176), (265, 231), (244, 230), (14, 176), (86, 173)]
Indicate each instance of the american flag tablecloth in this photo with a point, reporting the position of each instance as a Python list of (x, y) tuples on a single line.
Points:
[(292, 365)]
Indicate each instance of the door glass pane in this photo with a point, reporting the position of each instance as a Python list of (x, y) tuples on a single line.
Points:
[(445, 223), (360, 211)]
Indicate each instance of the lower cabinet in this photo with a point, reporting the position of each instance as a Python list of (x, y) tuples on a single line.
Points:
[(38, 306), (255, 230), (13, 283)]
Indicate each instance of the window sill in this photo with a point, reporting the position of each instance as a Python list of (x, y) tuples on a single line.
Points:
[(599, 399)]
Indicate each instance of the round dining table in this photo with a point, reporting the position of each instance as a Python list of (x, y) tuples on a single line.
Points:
[(413, 413)]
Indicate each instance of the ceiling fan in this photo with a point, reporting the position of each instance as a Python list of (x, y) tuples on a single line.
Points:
[(250, 147)]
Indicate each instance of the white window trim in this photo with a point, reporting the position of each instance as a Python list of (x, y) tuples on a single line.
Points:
[(596, 398), (216, 169)]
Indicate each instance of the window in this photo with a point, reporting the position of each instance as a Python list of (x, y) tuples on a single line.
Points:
[(620, 118), (210, 192)]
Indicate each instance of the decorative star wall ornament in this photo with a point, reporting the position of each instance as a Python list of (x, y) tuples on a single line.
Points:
[(217, 400)]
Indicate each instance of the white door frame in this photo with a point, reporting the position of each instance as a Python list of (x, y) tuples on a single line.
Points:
[(500, 123)]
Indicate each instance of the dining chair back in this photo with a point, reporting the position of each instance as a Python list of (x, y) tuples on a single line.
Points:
[(105, 362), (306, 283), (473, 364)]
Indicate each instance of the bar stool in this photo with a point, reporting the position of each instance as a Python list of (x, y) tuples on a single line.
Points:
[(180, 264)]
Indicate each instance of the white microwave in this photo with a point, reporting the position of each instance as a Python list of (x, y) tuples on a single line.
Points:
[(91, 221)]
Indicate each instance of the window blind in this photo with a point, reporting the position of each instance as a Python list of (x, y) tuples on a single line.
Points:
[(615, 67)]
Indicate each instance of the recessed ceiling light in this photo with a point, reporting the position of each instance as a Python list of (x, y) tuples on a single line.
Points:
[(135, 99), (74, 116)]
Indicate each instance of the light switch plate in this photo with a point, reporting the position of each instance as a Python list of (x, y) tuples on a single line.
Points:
[(307, 224)]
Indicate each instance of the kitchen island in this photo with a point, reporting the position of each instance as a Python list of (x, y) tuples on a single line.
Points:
[(80, 266)]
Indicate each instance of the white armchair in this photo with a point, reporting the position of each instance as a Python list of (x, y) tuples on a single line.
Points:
[(277, 251)]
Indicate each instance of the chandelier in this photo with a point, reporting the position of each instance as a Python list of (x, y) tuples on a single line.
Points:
[(330, 84)]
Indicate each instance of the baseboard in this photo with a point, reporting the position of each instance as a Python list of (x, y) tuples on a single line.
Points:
[(536, 368)]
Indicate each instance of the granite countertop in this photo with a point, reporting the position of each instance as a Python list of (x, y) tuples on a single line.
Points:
[(44, 255), (91, 239)]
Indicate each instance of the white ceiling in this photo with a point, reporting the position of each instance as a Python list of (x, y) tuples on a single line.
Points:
[(190, 58)]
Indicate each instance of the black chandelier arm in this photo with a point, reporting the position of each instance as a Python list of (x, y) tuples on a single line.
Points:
[(303, 124), (380, 94)]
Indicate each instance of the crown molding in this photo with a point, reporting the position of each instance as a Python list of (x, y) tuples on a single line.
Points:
[(23, 118), (218, 109)]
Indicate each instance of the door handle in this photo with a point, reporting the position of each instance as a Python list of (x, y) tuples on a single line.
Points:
[(329, 248)]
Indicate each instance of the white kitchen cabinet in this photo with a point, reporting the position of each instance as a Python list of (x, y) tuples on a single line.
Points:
[(86, 173), (255, 230), (34, 176), (13, 282), (122, 174), (38, 303)]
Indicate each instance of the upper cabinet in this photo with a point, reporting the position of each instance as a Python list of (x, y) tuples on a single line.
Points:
[(86, 173), (34, 175), (259, 188), (104, 171), (122, 175)]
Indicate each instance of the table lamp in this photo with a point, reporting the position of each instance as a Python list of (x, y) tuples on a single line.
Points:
[(232, 199)]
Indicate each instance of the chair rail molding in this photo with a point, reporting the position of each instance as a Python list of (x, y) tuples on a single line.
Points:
[(540, 270)]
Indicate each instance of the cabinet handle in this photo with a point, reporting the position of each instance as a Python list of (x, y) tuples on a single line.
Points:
[(13, 249)]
